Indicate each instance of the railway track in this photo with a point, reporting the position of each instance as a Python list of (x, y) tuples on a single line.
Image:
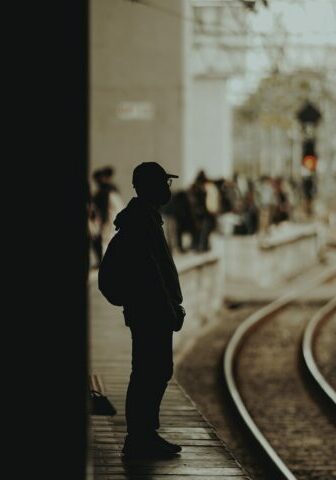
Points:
[(318, 349), (271, 363)]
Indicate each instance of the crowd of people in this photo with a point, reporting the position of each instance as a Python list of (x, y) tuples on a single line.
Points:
[(237, 206)]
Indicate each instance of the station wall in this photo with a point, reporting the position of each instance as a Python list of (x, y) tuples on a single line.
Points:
[(135, 87)]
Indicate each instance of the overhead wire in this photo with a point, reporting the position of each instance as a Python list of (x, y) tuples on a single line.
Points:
[(228, 32), (257, 40)]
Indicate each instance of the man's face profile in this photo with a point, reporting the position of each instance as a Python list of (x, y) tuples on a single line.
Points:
[(164, 193), (157, 193)]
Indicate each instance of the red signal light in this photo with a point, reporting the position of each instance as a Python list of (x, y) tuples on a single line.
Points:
[(310, 162)]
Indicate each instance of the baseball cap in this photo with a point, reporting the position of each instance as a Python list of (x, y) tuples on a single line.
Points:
[(150, 172)]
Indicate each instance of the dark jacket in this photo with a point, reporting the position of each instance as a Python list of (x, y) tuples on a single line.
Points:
[(153, 286)]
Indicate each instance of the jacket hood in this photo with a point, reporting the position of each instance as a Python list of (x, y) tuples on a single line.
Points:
[(136, 212)]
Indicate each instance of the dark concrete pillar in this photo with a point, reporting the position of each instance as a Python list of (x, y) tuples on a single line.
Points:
[(46, 391)]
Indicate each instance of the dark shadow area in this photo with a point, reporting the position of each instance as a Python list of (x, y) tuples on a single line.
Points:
[(134, 468), (47, 251)]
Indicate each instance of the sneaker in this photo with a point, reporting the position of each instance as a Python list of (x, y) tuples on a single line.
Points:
[(172, 447), (150, 447)]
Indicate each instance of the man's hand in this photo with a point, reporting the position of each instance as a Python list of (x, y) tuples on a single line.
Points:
[(179, 317)]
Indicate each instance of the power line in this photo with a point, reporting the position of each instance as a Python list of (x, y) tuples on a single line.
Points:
[(226, 34), (218, 31)]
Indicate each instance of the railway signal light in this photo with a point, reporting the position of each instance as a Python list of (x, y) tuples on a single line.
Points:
[(310, 162), (309, 157)]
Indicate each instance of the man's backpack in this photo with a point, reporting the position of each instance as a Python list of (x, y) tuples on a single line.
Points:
[(112, 275)]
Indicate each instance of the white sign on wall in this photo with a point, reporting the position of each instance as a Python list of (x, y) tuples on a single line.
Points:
[(135, 111)]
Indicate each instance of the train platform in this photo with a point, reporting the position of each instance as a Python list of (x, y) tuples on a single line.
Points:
[(204, 455)]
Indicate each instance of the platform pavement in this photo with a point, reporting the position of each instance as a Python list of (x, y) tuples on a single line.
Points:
[(204, 456)]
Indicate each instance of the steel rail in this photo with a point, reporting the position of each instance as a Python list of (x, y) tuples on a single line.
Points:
[(308, 346), (229, 361)]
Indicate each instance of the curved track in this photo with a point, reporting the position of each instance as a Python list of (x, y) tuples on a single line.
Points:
[(308, 341), (261, 368)]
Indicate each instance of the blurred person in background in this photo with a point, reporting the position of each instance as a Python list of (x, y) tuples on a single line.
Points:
[(222, 208), (107, 203), (244, 206), (250, 212), (95, 224), (203, 198), (291, 191), (233, 194), (242, 184), (220, 184), (169, 224), (309, 192), (229, 197), (179, 211), (267, 202), (282, 207), (212, 200)]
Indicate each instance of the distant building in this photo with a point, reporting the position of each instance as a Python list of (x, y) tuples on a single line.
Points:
[(158, 74), (267, 135)]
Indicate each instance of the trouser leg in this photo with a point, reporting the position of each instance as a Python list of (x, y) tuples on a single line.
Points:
[(152, 368)]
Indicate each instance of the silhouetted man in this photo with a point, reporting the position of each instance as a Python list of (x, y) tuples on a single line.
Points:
[(152, 309)]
